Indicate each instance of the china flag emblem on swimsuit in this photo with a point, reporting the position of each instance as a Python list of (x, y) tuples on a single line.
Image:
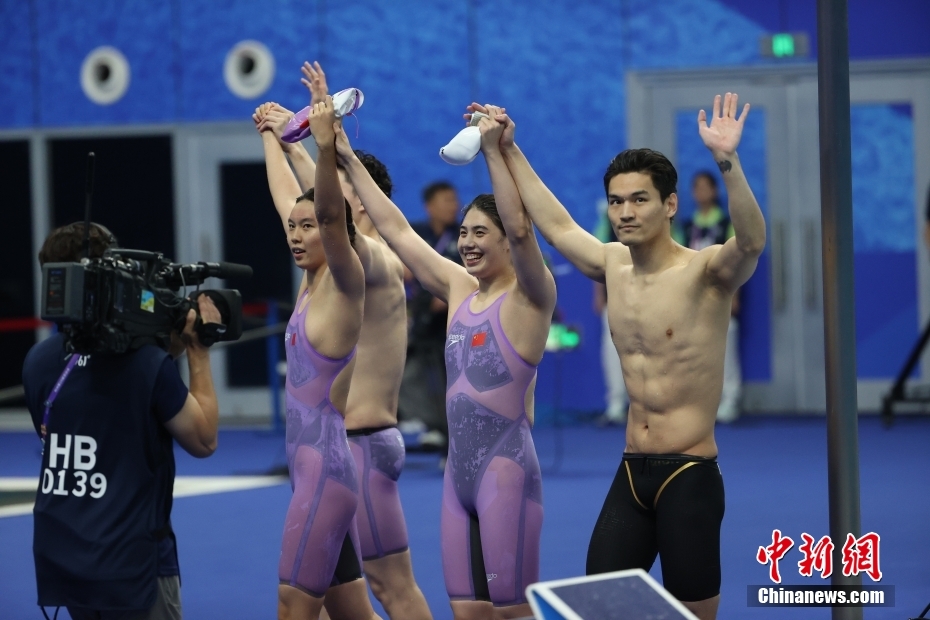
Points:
[(479, 339)]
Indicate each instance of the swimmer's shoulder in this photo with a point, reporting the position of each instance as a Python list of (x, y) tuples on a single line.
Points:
[(386, 267), (392, 260), (695, 262), (700, 258), (616, 252)]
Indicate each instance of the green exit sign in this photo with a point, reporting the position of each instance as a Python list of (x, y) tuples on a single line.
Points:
[(782, 45), (785, 45)]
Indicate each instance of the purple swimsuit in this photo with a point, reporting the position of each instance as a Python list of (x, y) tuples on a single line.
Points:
[(492, 492), (320, 547), (379, 456)]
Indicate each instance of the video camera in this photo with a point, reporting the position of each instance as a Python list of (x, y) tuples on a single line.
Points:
[(129, 298)]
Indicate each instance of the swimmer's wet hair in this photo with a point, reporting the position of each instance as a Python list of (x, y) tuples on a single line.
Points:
[(486, 204), (377, 170), (66, 243), (308, 196), (647, 161)]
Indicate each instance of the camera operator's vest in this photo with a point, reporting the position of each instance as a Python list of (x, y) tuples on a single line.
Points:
[(104, 498)]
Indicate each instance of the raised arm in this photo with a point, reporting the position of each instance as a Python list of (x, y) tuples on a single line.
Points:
[(330, 205), (314, 78), (284, 187), (553, 220), (275, 119), (533, 277), (435, 272), (735, 261), (304, 166)]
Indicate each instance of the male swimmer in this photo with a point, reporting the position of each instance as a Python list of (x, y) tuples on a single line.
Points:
[(668, 311)]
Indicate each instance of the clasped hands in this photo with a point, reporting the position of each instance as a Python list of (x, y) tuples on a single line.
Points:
[(496, 127)]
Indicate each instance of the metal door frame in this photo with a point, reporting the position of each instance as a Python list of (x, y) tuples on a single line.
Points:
[(199, 153)]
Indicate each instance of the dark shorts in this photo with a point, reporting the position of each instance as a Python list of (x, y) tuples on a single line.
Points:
[(167, 606), (663, 504)]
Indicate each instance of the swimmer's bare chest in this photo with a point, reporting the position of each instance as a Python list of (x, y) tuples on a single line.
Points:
[(670, 332), (381, 352)]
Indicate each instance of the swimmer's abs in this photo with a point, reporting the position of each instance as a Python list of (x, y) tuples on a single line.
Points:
[(687, 430), (372, 402), (361, 416)]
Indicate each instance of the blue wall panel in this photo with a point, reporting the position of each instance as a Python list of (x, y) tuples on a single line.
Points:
[(411, 62), (16, 95), (562, 86), (177, 49), (70, 29), (208, 30), (688, 33), (883, 178)]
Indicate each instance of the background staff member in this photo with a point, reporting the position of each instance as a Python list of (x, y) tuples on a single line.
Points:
[(103, 542)]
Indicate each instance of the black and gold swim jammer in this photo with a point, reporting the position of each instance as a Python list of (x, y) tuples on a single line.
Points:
[(667, 504)]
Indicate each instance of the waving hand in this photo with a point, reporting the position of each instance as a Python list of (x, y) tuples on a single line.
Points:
[(725, 130), (315, 81)]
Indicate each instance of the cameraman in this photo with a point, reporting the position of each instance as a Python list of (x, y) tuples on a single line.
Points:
[(103, 543)]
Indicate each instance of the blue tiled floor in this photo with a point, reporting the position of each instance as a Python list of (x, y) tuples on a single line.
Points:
[(775, 472)]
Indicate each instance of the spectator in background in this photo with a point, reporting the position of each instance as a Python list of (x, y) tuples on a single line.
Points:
[(610, 361), (423, 390), (710, 226)]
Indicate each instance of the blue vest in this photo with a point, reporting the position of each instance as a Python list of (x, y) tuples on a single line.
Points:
[(105, 491)]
